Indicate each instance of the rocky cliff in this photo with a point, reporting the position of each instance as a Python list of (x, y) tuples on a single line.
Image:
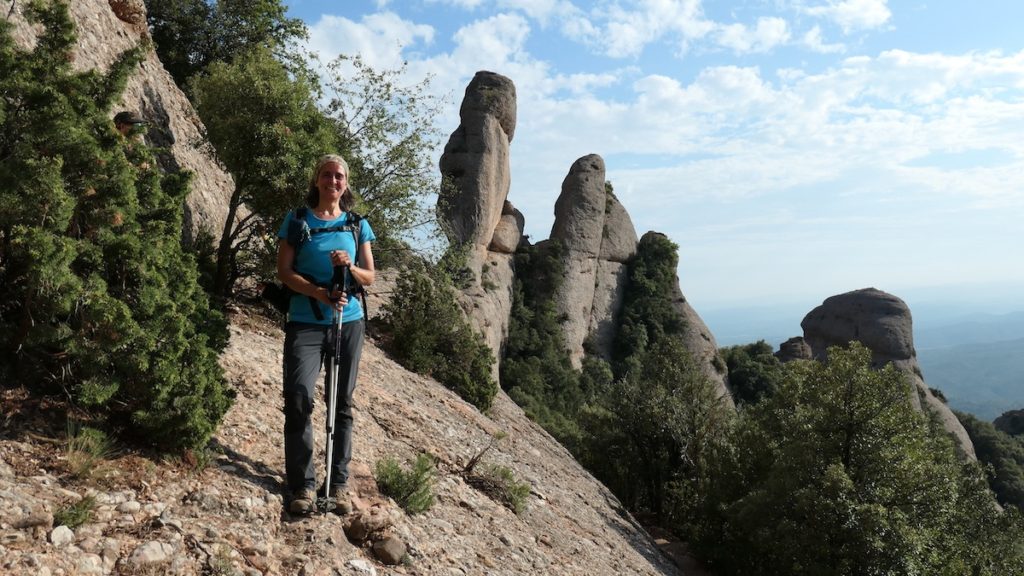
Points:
[(105, 30), (594, 231), (882, 322)]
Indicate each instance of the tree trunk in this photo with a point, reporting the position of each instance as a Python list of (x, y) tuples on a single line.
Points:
[(222, 283)]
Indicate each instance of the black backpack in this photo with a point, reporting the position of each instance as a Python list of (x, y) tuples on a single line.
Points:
[(299, 232)]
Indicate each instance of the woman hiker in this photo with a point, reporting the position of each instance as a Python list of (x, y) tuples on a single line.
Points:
[(314, 240)]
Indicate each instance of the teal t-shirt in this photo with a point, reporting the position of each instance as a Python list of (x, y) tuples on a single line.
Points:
[(314, 260)]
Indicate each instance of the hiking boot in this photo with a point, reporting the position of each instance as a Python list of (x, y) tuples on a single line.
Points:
[(342, 501), (303, 502)]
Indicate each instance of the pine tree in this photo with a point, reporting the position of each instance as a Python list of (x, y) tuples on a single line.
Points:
[(97, 297)]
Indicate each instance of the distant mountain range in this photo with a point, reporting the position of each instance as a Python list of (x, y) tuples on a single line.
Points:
[(983, 379)]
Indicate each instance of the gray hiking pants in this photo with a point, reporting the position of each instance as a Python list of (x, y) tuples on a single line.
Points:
[(306, 347)]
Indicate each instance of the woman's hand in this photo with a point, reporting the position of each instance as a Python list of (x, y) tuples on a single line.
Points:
[(340, 258), (338, 300)]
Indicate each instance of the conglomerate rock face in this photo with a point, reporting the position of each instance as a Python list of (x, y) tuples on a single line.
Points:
[(172, 122), (882, 322), (598, 240), (473, 203), (578, 228)]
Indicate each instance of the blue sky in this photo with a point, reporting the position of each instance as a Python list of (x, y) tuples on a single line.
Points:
[(793, 149)]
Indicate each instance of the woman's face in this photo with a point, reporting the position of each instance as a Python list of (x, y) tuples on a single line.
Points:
[(331, 181)]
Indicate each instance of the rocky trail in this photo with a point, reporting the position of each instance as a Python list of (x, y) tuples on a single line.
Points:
[(224, 514)]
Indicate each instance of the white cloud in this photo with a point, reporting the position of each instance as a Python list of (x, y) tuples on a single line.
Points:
[(767, 34), (853, 15), (379, 38), (814, 41), (543, 11), (465, 4), (624, 32)]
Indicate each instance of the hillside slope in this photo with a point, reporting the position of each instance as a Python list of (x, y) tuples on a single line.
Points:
[(167, 517)]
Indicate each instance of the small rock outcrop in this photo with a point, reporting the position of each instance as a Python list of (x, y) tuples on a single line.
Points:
[(1011, 422), (103, 34), (882, 322), (473, 203), (794, 349)]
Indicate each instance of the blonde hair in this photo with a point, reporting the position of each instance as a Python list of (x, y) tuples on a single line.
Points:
[(347, 201)]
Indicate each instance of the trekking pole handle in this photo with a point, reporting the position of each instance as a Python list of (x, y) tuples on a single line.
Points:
[(339, 282)]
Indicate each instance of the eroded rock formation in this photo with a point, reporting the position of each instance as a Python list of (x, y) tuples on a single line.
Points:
[(598, 240), (699, 340), (151, 92), (794, 349), (882, 322), (473, 202), (579, 229)]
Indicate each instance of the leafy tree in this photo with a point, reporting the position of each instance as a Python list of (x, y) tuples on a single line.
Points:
[(652, 432), (754, 371), (99, 300), (428, 334), (836, 473), (1011, 422), (536, 370), (192, 34), (648, 313), (268, 132), (387, 127), (1004, 454)]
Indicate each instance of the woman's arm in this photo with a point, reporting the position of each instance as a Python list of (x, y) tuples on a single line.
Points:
[(365, 273), (286, 273)]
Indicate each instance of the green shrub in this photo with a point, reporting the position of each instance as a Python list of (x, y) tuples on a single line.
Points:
[(648, 311), (500, 484), (754, 371), (86, 450), (74, 515), (536, 370), (99, 299), (430, 335), (412, 489), (1003, 454)]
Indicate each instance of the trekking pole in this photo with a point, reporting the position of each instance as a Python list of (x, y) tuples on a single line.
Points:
[(333, 362)]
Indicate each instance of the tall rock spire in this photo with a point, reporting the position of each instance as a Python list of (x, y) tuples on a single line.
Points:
[(473, 202)]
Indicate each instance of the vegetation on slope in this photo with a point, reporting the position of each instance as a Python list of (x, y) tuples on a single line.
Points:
[(99, 301)]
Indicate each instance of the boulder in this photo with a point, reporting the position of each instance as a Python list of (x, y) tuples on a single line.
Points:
[(618, 247), (507, 235), (1011, 422), (474, 166), (580, 208), (881, 322), (699, 340), (390, 550), (619, 240), (130, 11), (794, 349)]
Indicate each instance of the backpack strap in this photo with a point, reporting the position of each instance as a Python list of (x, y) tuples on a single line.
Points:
[(299, 232)]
